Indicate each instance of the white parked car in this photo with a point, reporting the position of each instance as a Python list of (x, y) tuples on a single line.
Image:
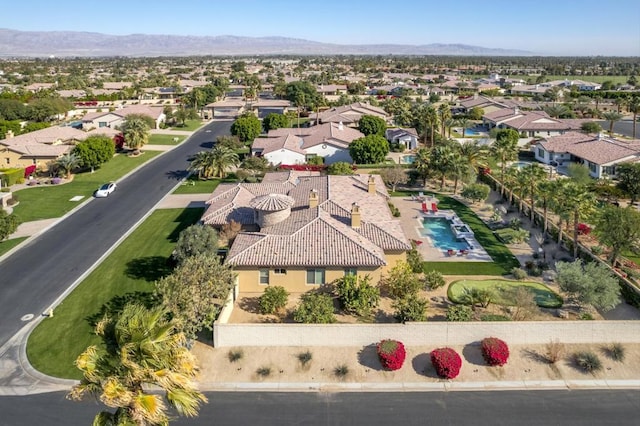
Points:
[(105, 190)]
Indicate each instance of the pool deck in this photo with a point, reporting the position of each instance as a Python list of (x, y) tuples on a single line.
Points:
[(411, 216)]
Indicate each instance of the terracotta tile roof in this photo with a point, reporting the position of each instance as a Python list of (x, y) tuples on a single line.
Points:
[(337, 134), (597, 150), (349, 113), (319, 236), (50, 135), (41, 150), (289, 142)]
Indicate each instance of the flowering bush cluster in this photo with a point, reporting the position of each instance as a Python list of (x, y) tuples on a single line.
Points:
[(584, 229), (391, 354), (303, 167), (447, 362), (495, 351)]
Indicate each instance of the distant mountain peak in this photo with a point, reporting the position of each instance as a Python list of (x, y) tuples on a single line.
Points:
[(87, 44)]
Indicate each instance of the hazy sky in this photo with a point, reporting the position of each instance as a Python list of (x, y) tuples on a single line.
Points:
[(559, 27)]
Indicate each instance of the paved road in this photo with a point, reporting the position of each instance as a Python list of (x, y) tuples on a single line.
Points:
[(33, 277), (565, 408), (624, 127)]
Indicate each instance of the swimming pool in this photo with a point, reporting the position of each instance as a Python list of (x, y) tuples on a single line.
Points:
[(521, 164), (438, 229), (407, 159)]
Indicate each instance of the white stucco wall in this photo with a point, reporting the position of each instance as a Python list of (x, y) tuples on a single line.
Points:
[(284, 156), (330, 153)]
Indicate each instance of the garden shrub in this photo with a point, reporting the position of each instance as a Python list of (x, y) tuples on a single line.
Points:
[(587, 361), (273, 300), (410, 308), (494, 317), (447, 362), (459, 313), (357, 295), (235, 355), (616, 352), (414, 259), (519, 273), (433, 280), (305, 358), (495, 351), (554, 351), (391, 354)]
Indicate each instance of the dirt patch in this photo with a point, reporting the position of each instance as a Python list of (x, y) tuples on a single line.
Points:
[(525, 363)]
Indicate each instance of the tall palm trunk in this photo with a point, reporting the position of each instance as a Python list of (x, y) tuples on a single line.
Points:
[(560, 230), (545, 223), (576, 218)]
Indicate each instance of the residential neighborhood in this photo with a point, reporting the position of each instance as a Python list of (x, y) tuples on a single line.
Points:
[(322, 224)]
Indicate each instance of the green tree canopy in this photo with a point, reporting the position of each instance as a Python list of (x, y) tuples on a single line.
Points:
[(195, 240), (591, 284), (629, 179), (370, 149), (196, 292), (136, 129), (340, 168), (94, 151), (591, 127), (372, 125), (476, 192), (401, 281), (619, 229), (274, 121), (247, 127), (302, 93), (315, 308), (8, 224), (141, 350)]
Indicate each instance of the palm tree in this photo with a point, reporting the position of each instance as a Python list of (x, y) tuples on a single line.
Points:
[(136, 131), (202, 164), (67, 163), (142, 349), (510, 181), (581, 203), (546, 191), (463, 122), (611, 117), (505, 148), (422, 164), (222, 158), (559, 204), (442, 161), (432, 121), (556, 111), (533, 176), (475, 155), (444, 113), (459, 168)]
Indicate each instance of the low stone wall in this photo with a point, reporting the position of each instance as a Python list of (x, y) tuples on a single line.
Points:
[(421, 334)]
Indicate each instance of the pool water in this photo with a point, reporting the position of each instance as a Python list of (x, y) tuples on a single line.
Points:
[(439, 230), (471, 132), (521, 164), (407, 159)]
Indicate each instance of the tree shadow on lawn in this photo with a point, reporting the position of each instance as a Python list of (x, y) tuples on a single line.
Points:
[(150, 268), (117, 303), (368, 357)]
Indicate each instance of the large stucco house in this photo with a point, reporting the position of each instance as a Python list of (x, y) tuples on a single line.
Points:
[(599, 153), (302, 230), (296, 146), (349, 115)]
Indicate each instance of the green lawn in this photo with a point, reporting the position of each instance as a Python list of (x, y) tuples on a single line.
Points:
[(503, 260), (544, 296), (190, 125), (49, 201), (197, 186), (7, 245), (465, 268), (127, 274), (166, 139)]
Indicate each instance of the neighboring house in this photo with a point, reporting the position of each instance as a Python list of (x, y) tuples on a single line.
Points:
[(263, 107), (117, 117), (487, 104), (331, 89), (408, 138), (599, 153), (532, 123), (230, 107), (302, 230), (348, 114), (39, 147), (295, 146)]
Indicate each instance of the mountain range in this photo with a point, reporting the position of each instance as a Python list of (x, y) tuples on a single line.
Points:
[(15, 43)]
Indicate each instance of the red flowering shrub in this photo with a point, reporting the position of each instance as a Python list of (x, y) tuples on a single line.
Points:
[(303, 167), (447, 362), (584, 229), (391, 354), (495, 351)]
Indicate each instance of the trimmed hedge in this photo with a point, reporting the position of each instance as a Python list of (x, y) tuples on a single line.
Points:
[(447, 362), (495, 351), (11, 176), (391, 354)]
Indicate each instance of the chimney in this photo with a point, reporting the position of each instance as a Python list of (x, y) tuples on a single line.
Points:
[(516, 110), (355, 215), (599, 137), (313, 199), (340, 126), (9, 134), (371, 185)]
